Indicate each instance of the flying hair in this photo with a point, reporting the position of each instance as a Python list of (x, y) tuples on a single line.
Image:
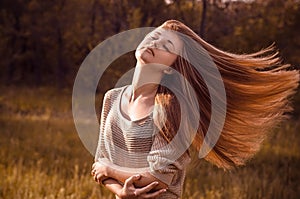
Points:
[(258, 96)]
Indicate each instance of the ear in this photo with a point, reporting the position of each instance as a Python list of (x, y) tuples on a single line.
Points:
[(168, 71)]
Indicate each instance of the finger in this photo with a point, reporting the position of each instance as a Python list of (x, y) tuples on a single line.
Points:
[(148, 188), (154, 194), (129, 181), (95, 178), (100, 178)]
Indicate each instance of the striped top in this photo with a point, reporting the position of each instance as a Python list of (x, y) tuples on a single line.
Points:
[(138, 145)]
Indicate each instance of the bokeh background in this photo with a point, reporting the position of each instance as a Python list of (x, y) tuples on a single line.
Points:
[(42, 45)]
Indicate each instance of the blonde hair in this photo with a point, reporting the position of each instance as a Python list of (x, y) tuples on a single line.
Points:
[(258, 89)]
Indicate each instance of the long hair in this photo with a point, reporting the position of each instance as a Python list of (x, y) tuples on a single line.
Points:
[(258, 90)]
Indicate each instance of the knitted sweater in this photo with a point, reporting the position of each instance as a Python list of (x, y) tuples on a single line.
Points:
[(138, 145)]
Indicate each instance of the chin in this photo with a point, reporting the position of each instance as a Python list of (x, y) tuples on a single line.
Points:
[(145, 58), (138, 54)]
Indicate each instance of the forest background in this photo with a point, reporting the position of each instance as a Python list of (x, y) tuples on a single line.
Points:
[(42, 46)]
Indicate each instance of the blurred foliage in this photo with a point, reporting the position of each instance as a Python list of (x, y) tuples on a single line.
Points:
[(45, 42)]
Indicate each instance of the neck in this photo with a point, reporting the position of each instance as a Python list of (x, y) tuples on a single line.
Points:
[(145, 81)]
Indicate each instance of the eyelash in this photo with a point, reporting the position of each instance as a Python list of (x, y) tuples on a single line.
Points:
[(155, 38), (165, 47)]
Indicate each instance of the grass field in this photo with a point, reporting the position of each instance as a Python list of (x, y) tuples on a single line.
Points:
[(42, 156)]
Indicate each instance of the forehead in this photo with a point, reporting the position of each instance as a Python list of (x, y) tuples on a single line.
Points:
[(167, 34)]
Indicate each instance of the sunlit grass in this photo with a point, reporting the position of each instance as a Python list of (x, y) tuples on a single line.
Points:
[(43, 157)]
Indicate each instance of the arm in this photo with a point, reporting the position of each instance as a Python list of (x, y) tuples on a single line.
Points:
[(157, 159), (128, 191), (108, 170), (146, 178), (113, 185)]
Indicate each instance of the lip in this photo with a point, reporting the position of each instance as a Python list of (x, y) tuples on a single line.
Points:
[(150, 50)]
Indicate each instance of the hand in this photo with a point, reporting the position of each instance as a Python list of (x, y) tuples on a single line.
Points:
[(99, 171), (130, 192)]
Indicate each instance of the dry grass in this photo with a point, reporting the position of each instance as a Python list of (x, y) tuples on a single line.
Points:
[(42, 156)]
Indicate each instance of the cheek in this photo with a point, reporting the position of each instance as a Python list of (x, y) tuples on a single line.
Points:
[(168, 59)]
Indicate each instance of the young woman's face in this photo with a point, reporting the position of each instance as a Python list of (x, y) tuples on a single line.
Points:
[(160, 46)]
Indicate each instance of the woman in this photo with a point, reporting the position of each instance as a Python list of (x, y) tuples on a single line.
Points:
[(140, 121)]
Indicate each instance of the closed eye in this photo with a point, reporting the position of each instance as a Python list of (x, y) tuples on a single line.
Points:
[(155, 35), (171, 43), (166, 48), (154, 38)]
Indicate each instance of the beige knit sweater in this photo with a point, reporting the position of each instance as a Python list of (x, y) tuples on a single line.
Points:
[(138, 145)]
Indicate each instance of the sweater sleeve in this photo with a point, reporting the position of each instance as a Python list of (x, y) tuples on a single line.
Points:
[(105, 109), (161, 164)]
